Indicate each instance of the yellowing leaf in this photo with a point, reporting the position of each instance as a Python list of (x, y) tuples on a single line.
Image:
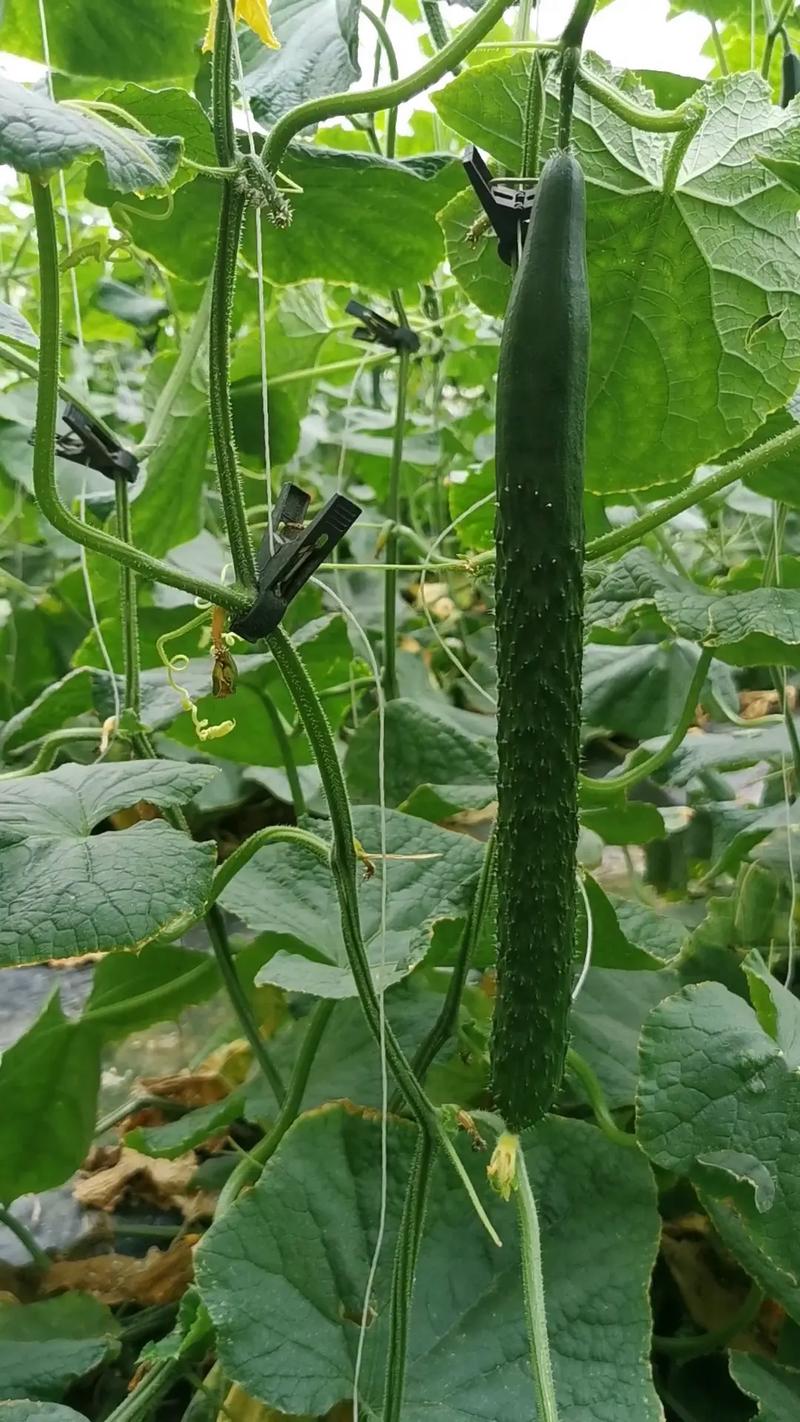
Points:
[(254, 13)]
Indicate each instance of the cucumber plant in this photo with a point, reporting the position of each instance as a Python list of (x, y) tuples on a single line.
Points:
[(399, 632)]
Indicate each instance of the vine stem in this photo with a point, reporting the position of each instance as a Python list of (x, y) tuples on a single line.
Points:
[(217, 932), (385, 43), (533, 1290), (39, 1256), (272, 834), (248, 1168), (343, 866), (646, 120), (143, 1400), (231, 219), (534, 118), (181, 370), (128, 606), (44, 483), (444, 1025), (779, 447), (775, 24), (698, 1345), (287, 754), (409, 1239), (387, 96), (390, 686), (604, 790), (596, 1098), (571, 46)]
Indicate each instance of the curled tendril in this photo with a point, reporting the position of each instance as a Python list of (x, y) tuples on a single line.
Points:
[(173, 666)]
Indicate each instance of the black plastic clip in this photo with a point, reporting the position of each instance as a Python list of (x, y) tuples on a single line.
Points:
[(299, 550), (379, 330), (91, 444), (507, 206)]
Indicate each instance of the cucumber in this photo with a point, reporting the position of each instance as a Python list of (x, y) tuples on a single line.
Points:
[(541, 416)]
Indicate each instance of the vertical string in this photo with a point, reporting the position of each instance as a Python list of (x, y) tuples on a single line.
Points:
[(785, 773), (62, 189), (87, 583), (376, 1253), (262, 334)]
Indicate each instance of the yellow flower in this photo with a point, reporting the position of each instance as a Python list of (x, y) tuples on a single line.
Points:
[(254, 13)]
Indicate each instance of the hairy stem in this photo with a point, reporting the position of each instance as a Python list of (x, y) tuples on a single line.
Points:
[(444, 1026), (437, 29), (646, 120), (180, 373), (44, 482), (248, 1169), (344, 865), (405, 1263), (613, 785), (272, 834), (385, 43), (217, 932), (533, 1289), (534, 118), (287, 754), (390, 687), (596, 1098), (143, 1401), (128, 607), (571, 46), (779, 447), (678, 149), (387, 96)]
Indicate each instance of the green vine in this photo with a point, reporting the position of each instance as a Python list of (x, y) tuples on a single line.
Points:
[(390, 686), (409, 1239)]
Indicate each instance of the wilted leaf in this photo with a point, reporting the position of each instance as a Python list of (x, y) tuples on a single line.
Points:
[(161, 1277)]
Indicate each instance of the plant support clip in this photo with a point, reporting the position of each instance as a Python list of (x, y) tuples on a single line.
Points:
[(284, 569), (92, 445), (379, 330), (507, 206)]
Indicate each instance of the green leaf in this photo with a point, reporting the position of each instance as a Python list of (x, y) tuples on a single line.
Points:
[(131, 992), (718, 1102), (295, 1293), (628, 587), (472, 258), (475, 530), (637, 690), (28, 1411), (729, 750), (44, 1347), (423, 753), (175, 1138), (169, 510), (39, 137), (167, 112), (606, 1022), (129, 304), (385, 236), (286, 893), (65, 891), (668, 368), (156, 39), (14, 326), (49, 1079), (776, 1389), (318, 55), (629, 822), (744, 629), (59, 704), (631, 935), (183, 242)]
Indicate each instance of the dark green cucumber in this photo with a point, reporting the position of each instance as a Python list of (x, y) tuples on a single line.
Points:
[(541, 416)]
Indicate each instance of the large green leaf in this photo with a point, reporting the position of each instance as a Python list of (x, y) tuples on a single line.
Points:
[(283, 1276), (132, 991), (61, 702), (719, 1102), (153, 39), (744, 628), (49, 1080), (607, 1019), (44, 1347), (385, 236), (15, 327), (637, 690), (287, 893), (38, 137), (423, 753), (27, 1410), (65, 891), (695, 313), (318, 55), (776, 1389)]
